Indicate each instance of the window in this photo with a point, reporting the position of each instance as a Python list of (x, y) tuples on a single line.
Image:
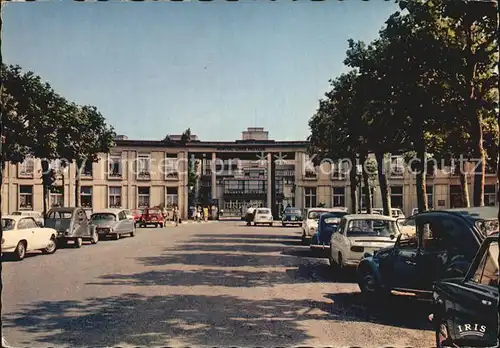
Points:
[(429, 189), (340, 170), (26, 223), (115, 166), (310, 197), (487, 271), (87, 169), (397, 166), (397, 197), (115, 197), (456, 196), (26, 197), (86, 196), (309, 168), (489, 195), (122, 216), (339, 196), (172, 196), (143, 167), (143, 197), (27, 168), (171, 166), (57, 196)]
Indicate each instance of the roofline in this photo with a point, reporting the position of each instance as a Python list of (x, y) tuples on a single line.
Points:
[(198, 144)]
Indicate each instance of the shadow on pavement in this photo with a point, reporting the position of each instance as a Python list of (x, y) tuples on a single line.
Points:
[(245, 236), (320, 272), (397, 311), (245, 241), (133, 319), (248, 248)]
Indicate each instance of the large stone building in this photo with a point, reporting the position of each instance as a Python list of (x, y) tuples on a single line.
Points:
[(254, 170)]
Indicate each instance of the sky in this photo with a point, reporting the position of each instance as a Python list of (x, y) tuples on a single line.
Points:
[(217, 67)]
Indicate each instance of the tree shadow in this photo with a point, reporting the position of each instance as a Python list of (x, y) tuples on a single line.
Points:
[(244, 236), (248, 248), (321, 272), (398, 311), (133, 319), (242, 240)]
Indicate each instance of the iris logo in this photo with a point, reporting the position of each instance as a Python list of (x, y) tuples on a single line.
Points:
[(471, 330)]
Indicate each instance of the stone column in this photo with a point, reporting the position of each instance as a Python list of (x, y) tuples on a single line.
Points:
[(214, 175), (269, 181)]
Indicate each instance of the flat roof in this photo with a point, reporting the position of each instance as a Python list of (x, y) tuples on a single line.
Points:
[(244, 144)]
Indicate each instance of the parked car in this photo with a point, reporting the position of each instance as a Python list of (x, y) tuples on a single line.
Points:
[(137, 214), (327, 225), (71, 224), (358, 234), (310, 223), (395, 212), (263, 216), (466, 308), (292, 216), (34, 214), (374, 211), (22, 234), (444, 245), (113, 222), (152, 216)]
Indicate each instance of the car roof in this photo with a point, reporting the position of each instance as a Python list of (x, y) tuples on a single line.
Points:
[(368, 216), (290, 208), (332, 214), (475, 213), (65, 209), (15, 217), (108, 211), (327, 209)]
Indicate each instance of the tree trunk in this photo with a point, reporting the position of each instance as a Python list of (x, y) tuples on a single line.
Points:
[(354, 185), (383, 183), (77, 182), (366, 184), (420, 179), (479, 171), (45, 186), (464, 186)]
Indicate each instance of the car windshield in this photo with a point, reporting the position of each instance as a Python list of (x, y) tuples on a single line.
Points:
[(371, 227), (263, 211), (331, 223), (103, 217), (65, 215), (8, 224), (487, 271), (292, 211), (487, 227)]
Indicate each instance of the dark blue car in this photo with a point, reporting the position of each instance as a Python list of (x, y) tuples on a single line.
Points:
[(327, 224)]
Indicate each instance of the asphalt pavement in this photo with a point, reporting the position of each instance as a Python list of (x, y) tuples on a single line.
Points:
[(201, 284)]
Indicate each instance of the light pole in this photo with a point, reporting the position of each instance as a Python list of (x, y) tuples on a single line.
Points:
[(359, 173)]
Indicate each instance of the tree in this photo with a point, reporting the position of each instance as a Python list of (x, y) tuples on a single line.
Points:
[(186, 136)]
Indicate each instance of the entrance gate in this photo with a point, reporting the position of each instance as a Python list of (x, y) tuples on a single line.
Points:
[(238, 208)]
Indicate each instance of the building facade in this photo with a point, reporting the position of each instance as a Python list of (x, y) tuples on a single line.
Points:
[(231, 175)]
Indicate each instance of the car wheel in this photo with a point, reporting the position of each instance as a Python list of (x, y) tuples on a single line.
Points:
[(304, 240), (284, 224), (132, 234), (78, 242), (442, 336), (52, 247), (116, 236), (162, 225), (20, 251), (270, 224), (369, 285), (95, 238), (333, 264)]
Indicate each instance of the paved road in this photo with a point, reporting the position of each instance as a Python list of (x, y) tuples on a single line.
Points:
[(217, 284)]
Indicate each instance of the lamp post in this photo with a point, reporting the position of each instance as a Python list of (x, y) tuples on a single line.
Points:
[(359, 173)]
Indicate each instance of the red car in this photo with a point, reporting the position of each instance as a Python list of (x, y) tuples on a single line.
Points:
[(151, 216), (137, 214)]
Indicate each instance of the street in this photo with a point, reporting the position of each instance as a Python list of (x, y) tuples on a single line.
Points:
[(216, 283)]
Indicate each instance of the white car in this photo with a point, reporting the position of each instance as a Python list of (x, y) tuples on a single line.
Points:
[(22, 234), (310, 223), (395, 212), (34, 214), (359, 234), (263, 216)]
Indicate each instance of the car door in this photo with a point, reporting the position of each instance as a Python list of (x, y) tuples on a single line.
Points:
[(123, 222), (83, 223), (475, 303), (402, 269), (42, 235), (27, 227), (338, 239)]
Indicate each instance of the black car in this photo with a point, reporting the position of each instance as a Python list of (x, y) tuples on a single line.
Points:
[(466, 308), (71, 224), (443, 245), (292, 216), (327, 225)]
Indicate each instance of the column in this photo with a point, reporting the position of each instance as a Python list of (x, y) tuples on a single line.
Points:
[(269, 182), (214, 175)]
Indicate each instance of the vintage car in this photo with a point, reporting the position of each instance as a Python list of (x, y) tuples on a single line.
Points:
[(291, 216), (263, 216), (22, 234), (71, 224), (152, 216), (358, 234), (395, 212), (34, 214), (443, 246), (310, 223), (136, 214), (466, 308), (113, 222), (327, 225)]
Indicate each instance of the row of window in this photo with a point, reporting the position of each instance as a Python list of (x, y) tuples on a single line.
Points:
[(396, 192), (26, 197)]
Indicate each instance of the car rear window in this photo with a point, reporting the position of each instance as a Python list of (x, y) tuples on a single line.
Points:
[(154, 211), (8, 224), (487, 227), (66, 215), (17, 213), (263, 211), (103, 217), (292, 211)]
